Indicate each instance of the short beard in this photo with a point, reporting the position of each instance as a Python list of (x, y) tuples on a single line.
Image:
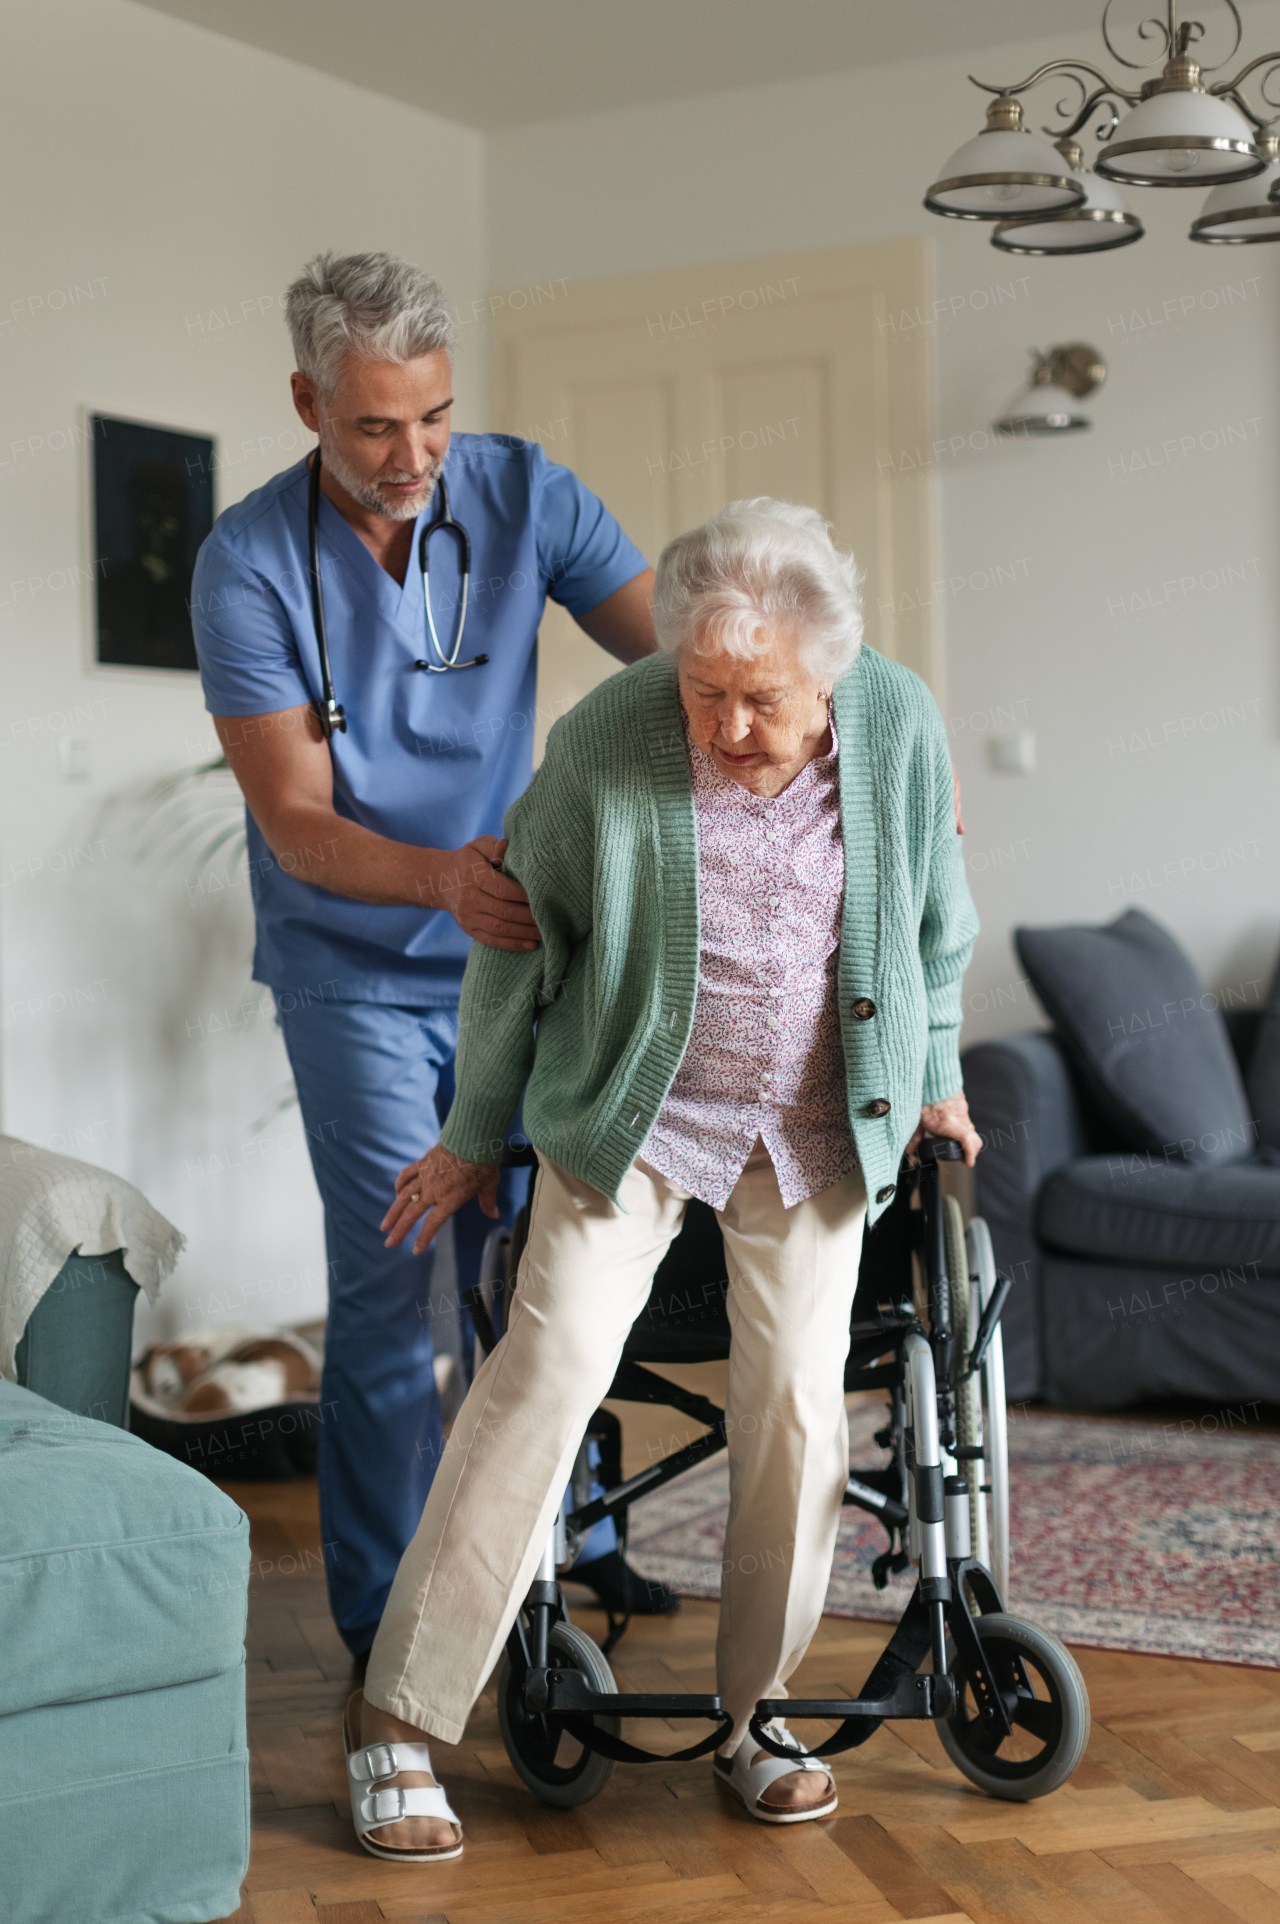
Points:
[(369, 494)]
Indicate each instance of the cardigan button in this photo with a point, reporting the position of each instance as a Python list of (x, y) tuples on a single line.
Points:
[(863, 1009), (890, 1189), (877, 1108)]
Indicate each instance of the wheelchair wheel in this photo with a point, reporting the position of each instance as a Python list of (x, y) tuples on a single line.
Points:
[(550, 1760), (1049, 1708), (982, 1267), (964, 1323)]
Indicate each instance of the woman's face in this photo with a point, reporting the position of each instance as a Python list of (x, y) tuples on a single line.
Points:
[(760, 719)]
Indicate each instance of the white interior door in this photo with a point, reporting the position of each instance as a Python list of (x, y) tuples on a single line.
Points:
[(672, 393)]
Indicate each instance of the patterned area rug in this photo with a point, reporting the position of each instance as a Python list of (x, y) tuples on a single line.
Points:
[(1125, 1535)]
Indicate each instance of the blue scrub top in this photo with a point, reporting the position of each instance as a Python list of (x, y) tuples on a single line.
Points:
[(433, 760)]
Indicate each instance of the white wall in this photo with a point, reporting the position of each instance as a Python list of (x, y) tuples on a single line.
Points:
[(1075, 535), (173, 178)]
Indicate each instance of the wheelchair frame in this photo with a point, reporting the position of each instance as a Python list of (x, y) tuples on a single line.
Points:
[(928, 1522)]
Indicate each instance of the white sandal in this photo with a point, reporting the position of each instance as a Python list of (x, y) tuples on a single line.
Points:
[(369, 1765), (751, 1770)]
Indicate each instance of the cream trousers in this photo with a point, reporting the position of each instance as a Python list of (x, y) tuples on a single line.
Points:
[(584, 1277)]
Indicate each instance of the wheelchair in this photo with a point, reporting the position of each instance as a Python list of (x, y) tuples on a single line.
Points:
[(1007, 1699)]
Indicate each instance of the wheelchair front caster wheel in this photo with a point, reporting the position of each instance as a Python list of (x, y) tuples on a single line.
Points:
[(549, 1759), (1049, 1709)]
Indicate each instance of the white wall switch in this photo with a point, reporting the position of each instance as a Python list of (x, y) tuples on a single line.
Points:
[(1013, 754), (73, 759)]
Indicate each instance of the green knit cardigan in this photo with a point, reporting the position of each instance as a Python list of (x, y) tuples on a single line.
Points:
[(597, 1019)]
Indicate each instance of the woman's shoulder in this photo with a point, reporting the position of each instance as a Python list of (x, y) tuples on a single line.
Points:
[(891, 680), (894, 692), (617, 710)]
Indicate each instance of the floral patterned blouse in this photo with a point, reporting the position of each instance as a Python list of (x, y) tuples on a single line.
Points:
[(765, 1059)]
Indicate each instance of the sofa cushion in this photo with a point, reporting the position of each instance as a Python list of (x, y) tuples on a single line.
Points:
[(120, 1570), (1144, 1035), (1263, 1078), (1116, 1335), (1162, 1214)]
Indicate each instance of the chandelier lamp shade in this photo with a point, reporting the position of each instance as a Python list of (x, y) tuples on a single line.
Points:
[(1181, 137), (1180, 128), (1002, 167), (1096, 224), (1245, 211)]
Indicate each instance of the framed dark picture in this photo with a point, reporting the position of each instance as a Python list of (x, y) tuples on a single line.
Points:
[(152, 507)]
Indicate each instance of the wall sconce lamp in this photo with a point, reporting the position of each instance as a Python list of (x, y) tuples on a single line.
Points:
[(1060, 378)]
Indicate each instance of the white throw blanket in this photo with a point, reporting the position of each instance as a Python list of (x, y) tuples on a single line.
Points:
[(50, 1208)]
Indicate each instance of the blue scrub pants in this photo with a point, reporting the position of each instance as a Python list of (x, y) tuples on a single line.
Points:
[(374, 1084)]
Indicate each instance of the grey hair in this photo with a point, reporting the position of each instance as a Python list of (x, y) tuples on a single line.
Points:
[(373, 305), (755, 564)]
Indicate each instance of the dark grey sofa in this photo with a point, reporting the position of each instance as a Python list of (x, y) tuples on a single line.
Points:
[(1135, 1277)]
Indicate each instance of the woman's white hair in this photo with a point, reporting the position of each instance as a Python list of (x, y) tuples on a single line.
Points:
[(373, 305), (755, 565)]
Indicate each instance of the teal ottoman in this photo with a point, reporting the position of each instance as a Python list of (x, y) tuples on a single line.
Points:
[(124, 1770)]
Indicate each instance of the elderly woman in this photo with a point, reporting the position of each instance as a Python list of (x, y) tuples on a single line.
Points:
[(742, 858)]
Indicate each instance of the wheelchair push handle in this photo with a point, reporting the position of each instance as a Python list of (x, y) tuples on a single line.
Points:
[(938, 1149)]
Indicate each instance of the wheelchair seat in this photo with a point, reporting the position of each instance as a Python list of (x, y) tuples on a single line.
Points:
[(685, 1319)]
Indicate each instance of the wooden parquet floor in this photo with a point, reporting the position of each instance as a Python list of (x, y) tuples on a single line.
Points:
[(1173, 1818)]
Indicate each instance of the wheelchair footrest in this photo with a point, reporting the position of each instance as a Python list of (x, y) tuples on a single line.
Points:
[(912, 1696), (569, 1692), (571, 1696)]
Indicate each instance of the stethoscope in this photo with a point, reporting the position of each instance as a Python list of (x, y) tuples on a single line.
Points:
[(331, 712)]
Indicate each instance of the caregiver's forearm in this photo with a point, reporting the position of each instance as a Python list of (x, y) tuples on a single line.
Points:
[(317, 845), (326, 849), (285, 772)]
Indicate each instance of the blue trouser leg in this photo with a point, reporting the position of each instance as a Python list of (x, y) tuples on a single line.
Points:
[(602, 1537), (368, 1075)]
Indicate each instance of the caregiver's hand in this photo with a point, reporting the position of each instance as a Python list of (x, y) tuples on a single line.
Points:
[(487, 905), (436, 1187), (949, 1118)]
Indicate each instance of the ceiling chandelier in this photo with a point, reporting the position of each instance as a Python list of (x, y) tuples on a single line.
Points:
[(1179, 131)]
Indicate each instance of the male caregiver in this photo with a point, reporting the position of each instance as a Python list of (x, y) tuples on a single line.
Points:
[(374, 854)]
